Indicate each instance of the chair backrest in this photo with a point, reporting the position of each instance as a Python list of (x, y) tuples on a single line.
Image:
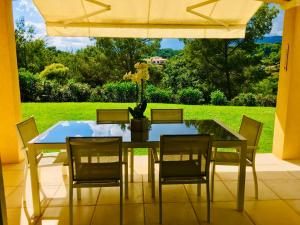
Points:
[(166, 115), (112, 116), (182, 150), (94, 159), (27, 130), (251, 130)]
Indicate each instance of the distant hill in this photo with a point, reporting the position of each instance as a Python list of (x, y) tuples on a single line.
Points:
[(270, 39)]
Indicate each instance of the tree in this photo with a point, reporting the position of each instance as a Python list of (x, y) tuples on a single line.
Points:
[(125, 52), (223, 61), (57, 72)]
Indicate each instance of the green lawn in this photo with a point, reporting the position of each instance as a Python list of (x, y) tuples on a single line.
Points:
[(47, 114)]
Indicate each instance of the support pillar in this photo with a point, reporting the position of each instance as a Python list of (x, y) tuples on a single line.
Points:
[(10, 102), (286, 142)]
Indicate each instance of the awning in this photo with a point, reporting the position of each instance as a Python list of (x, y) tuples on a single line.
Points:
[(148, 18)]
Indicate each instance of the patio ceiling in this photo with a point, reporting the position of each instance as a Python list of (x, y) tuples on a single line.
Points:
[(148, 18)]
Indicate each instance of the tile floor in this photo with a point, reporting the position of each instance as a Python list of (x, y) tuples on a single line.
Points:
[(278, 203)]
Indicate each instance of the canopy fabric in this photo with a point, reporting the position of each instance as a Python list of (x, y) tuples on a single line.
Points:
[(148, 18)]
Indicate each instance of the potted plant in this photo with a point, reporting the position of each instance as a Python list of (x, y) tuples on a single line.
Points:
[(139, 121)]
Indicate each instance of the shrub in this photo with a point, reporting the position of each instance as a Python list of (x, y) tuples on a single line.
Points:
[(28, 86), (155, 94), (48, 91), (97, 95), (57, 72), (266, 100), (80, 92), (119, 92), (218, 98), (244, 99), (190, 96)]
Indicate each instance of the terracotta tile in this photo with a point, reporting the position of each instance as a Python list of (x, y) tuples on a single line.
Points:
[(295, 204), (89, 197), (286, 189), (13, 178), (275, 212), (110, 214), (264, 193), (111, 195), (173, 213), (221, 192), (82, 215), (15, 199), (20, 216), (222, 213)]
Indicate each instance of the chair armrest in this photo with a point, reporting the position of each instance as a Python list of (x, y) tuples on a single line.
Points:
[(155, 155)]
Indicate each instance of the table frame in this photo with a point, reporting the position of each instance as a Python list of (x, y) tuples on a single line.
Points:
[(240, 142)]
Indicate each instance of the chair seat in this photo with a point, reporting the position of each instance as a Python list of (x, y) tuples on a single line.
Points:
[(97, 172), (181, 170), (228, 158)]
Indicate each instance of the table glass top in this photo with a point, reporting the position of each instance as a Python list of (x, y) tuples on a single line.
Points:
[(63, 129)]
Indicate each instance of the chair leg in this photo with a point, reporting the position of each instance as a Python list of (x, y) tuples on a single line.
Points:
[(213, 180), (121, 203), (152, 177), (149, 164), (208, 201), (71, 204), (126, 172), (198, 189), (255, 181), (160, 202), (132, 165), (78, 193), (25, 179)]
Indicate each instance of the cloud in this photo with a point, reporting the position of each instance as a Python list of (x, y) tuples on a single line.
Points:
[(68, 43), (26, 6)]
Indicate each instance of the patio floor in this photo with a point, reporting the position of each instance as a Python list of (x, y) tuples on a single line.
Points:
[(278, 204)]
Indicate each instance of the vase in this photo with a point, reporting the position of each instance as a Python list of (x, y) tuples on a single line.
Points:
[(139, 125)]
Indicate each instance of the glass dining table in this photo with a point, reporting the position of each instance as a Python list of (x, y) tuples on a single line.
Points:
[(55, 138)]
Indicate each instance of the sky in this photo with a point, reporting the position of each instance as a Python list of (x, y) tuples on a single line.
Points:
[(26, 9)]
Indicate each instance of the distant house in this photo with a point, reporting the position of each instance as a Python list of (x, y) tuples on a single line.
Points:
[(157, 60)]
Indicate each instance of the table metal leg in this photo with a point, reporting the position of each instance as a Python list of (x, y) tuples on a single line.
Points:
[(131, 165), (242, 177), (149, 165), (126, 171), (35, 189)]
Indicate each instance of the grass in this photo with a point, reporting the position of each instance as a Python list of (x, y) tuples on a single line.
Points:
[(47, 114)]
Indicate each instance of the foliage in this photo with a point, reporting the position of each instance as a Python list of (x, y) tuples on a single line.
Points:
[(97, 95), (267, 86), (265, 100), (155, 94), (28, 85), (166, 53), (57, 72), (119, 92), (244, 99), (190, 96), (223, 62), (218, 98)]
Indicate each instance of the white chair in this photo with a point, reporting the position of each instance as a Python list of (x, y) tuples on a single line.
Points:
[(251, 130), (27, 130), (94, 162)]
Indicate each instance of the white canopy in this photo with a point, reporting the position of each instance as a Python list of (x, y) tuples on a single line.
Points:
[(148, 18)]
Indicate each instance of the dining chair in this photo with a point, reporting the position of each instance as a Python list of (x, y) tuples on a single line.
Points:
[(86, 170), (27, 130), (184, 159), (251, 130), (166, 115), (163, 116), (112, 116), (116, 116)]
